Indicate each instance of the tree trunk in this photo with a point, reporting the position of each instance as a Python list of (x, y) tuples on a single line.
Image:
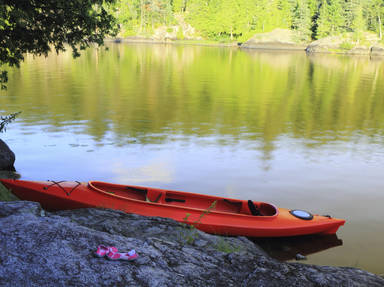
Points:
[(380, 32), (141, 15)]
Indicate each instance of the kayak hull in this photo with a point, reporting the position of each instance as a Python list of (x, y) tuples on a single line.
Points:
[(216, 215)]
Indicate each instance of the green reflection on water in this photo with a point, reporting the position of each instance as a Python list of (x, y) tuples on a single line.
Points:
[(151, 93)]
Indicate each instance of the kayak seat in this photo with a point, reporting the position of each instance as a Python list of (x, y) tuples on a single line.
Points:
[(253, 209), (153, 195), (226, 205)]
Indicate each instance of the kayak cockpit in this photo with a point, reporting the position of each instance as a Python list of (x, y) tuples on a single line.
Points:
[(186, 200), (267, 209)]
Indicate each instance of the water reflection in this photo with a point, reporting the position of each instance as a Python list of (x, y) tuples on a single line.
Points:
[(140, 91), (288, 248), (156, 170)]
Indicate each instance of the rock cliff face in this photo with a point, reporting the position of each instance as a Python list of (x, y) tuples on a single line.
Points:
[(346, 44), (7, 157), (278, 39), (56, 249), (377, 50)]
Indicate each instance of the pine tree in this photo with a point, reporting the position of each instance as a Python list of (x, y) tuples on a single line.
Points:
[(178, 6), (286, 8), (358, 22), (200, 16), (330, 20), (302, 19), (353, 15), (375, 15), (127, 13)]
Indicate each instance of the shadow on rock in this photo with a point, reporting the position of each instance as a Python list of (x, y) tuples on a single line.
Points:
[(287, 248)]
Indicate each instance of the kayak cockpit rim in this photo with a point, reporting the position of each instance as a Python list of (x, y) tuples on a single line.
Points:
[(272, 209)]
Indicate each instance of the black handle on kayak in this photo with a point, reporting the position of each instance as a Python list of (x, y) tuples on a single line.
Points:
[(254, 210), (174, 200)]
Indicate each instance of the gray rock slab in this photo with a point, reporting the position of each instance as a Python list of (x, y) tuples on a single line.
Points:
[(56, 249), (377, 50)]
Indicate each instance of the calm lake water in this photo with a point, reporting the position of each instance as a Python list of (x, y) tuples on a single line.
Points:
[(297, 131)]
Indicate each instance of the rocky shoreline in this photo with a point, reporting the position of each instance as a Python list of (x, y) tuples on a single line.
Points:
[(42, 248), (278, 39), (7, 157)]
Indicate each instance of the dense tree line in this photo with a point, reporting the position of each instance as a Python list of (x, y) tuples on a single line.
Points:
[(239, 19)]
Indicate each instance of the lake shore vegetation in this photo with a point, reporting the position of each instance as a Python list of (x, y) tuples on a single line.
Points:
[(239, 20)]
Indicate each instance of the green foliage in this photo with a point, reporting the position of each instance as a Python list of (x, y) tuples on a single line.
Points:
[(6, 195), (240, 19), (245, 36), (5, 120), (353, 15), (330, 21), (36, 26), (141, 17), (178, 6), (374, 13), (189, 232), (226, 247), (346, 45), (3, 79), (301, 20), (180, 34)]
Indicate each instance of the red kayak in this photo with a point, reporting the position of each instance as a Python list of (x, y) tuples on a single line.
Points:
[(212, 214)]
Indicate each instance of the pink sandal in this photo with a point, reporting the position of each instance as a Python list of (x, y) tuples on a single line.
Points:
[(103, 250), (131, 255)]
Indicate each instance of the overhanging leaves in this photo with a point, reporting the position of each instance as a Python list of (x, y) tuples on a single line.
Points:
[(39, 25)]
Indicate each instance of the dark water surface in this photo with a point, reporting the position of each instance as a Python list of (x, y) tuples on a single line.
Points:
[(297, 131)]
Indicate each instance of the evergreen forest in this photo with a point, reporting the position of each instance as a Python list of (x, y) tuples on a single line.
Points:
[(238, 20)]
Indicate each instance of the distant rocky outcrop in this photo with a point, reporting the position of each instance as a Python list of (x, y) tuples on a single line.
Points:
[(7, 157), (377, 50), (278, 39), (41, 248), (181, 31), (368, 44)]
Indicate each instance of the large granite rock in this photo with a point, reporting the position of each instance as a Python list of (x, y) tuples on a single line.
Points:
[(278, 39), (7, 157), (377, 50), (56, 249), (347, 44)]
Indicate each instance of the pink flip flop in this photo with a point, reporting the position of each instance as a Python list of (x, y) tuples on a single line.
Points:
[(131, 255), (102, 250)]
